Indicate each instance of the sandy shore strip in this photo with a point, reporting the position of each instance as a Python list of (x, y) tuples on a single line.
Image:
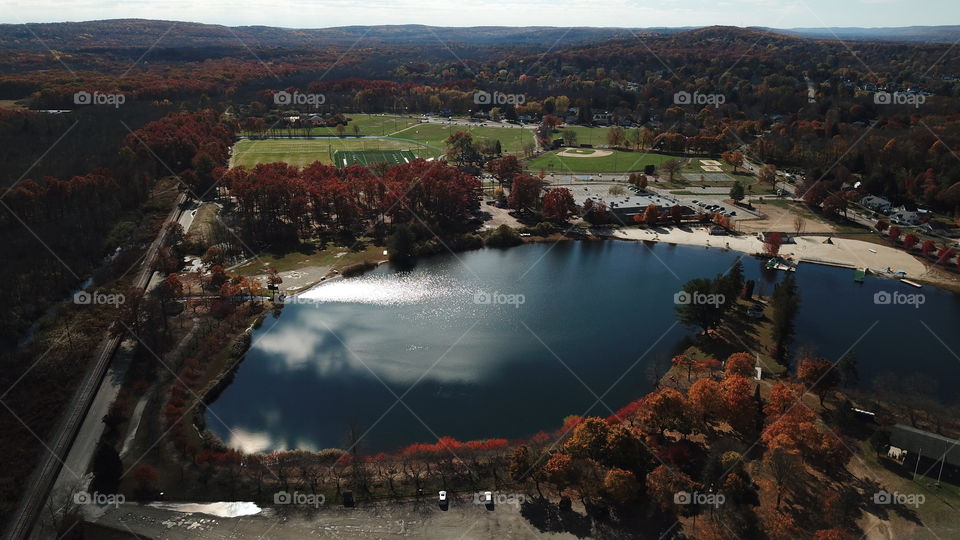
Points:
[(841, 252)]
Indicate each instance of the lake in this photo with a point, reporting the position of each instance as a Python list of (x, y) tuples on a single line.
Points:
[(505, 343)]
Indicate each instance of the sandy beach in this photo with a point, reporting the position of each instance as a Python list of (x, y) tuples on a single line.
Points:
[(840, 252)]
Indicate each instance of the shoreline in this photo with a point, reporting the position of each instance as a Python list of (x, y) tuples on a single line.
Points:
[(841, 252)]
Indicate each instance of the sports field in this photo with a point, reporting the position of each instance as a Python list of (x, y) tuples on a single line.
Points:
[(595, 160), (303, 152), (511, 139), (343, 158)]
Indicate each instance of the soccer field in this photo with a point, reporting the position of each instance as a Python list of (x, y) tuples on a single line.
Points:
[(303, 152), (598, 161), (343, 158)]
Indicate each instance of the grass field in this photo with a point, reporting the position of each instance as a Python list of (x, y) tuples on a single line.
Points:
[(303, 152), (343, 158), (618, 161), (586, 134), (431, 134), (511, 139)]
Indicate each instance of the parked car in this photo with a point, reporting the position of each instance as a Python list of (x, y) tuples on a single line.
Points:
[(442, 500)]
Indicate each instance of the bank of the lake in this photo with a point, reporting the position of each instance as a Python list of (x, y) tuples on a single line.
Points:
[(471, 360)]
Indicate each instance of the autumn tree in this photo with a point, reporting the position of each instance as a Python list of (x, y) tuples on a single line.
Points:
[(819, 376), (683, 361), (667, 409), (624, 450), (588, 439), (525, 192), (559, 471), (504, 169), (460, 150), (772, 242), (767, 174), (740, 363), (671, 167), (910, 241), (621, 487), (706, 399), (558, 205), (664, 483), (651, 215), (782, 460), (735, 159), (739, 403)]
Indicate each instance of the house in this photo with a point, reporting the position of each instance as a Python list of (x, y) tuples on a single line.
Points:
[(877, 204), (905, 216), (603, 118)]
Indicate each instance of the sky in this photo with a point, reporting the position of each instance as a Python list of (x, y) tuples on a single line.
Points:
[(618, 13)]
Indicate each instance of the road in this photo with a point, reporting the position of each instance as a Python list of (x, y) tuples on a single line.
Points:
[(48, 470)]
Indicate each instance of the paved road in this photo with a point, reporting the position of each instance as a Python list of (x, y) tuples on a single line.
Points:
[(49, 469)]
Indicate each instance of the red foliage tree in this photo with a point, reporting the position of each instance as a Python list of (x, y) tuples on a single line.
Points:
[(772, 242), (558, 204)]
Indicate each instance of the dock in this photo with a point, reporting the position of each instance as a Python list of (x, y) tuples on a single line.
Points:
[(824, 262)]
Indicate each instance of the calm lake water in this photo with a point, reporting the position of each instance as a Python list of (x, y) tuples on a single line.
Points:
[(595, 325)]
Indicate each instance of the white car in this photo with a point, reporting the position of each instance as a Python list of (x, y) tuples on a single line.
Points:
[(488, 497), (443, 497)]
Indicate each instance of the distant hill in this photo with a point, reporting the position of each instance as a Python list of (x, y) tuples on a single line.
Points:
[(142, 33), (913, 34), (139, 33)]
